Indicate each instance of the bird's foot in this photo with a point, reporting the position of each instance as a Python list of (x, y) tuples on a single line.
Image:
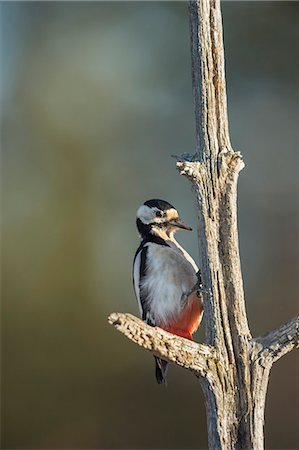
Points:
[(200, 291)]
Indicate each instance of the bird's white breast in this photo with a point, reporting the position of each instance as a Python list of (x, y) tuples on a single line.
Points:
[(170, 275)]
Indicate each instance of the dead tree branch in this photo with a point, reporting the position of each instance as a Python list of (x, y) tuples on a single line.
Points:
[(185, 353), (281, 341), (233, 368)]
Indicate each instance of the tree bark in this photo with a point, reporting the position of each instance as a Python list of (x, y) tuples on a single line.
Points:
[(233, 369)]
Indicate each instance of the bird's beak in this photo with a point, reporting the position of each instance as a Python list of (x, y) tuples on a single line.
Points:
[(177, 223)]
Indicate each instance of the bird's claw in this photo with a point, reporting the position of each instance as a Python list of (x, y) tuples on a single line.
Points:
[(200, 291)]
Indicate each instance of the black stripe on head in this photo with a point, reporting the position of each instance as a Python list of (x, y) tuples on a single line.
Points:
[(143, 228), (147, 236), (160, 204)]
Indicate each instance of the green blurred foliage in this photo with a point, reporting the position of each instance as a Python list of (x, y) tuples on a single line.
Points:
[(96, 96)]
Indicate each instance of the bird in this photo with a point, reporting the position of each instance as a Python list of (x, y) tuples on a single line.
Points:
[(166, 279)]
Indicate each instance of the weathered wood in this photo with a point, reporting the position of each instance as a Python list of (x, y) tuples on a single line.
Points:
[(204, 361), (181, 351), (233, 369), (208, 79), (279, 342)]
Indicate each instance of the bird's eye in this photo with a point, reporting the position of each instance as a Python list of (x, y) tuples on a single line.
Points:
[(159, 214)]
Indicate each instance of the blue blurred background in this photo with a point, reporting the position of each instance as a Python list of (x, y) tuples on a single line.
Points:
[(96, 96)]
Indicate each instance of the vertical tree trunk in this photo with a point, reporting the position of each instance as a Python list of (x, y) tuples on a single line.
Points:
[(235, 395), (233, 368)]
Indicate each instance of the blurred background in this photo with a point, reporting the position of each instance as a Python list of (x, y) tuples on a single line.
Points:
[(96, 96)]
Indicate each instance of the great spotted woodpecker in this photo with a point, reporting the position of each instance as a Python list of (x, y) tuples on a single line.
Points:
[(166, 278)]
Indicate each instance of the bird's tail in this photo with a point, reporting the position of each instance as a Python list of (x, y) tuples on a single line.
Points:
[(161, 370)]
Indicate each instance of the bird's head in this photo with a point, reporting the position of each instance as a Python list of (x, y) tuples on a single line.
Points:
[(160, 218)]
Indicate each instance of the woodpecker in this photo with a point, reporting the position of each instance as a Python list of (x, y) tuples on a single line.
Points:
[(166, 279)]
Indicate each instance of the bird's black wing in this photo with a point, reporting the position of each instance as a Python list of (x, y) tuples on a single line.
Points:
[(139, 272)]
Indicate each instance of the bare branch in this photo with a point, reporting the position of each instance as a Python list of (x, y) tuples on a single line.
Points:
[(214, 177), (281, 341), (183, 352), (209, 90)]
